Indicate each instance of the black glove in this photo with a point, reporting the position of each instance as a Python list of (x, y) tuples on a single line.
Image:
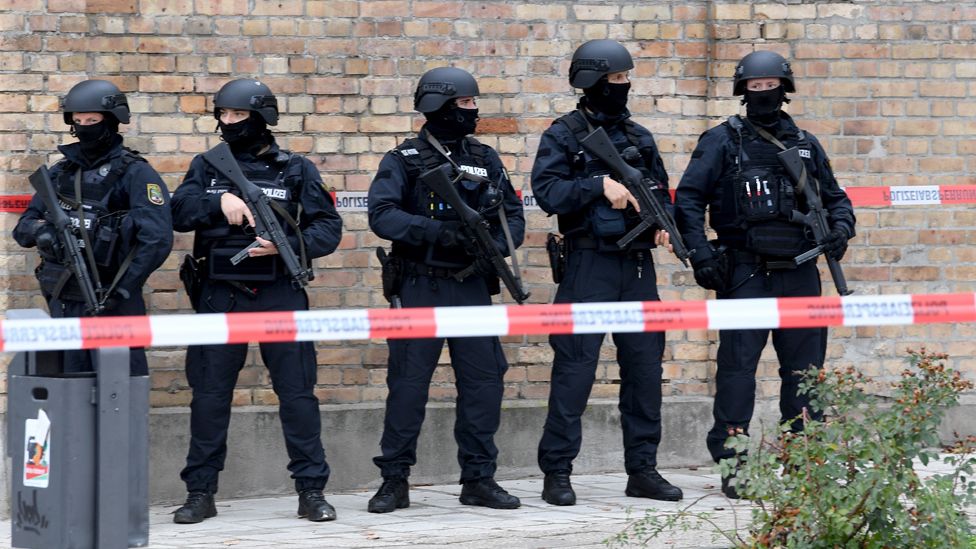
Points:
[(113, 300), (451, 234), (835, 245), (45, 238), (709, 273), (484, 268)]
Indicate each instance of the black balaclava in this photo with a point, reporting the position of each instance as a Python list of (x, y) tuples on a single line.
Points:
[(763, 106), (607, 98), (450, 122), (96, 139), (249, 135)]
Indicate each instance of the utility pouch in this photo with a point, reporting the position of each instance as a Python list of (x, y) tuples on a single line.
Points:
[(606, 221), (762, 195), (777, 239), (191, 273), (57, 281), (105, 239), (251, 269), (556, 248)]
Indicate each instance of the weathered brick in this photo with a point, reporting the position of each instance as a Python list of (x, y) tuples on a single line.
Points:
[(165, 84), (732, 11), (384, 8), (110, 6), (595, 12), (530, 12)]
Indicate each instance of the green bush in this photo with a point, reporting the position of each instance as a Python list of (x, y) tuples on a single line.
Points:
[(848, 481)]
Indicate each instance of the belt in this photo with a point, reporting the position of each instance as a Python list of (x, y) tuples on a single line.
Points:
[(415, 268), (587, 242), (770, 263), (581, 243)]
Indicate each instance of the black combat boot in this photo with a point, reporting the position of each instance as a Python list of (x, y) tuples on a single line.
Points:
[(485, 492), (199, 506), (312, 505), (393, 494), (731, 487), (557, 490), (650, 484)]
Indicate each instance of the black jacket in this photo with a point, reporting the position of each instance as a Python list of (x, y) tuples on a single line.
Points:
[(196, 202), (148, 227), (714, 161), (569, 183), (394, 213)]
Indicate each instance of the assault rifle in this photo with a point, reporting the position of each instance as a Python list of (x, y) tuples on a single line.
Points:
[(66, 247), (441, 180), (815, 219), (652, 212), (266, 225)]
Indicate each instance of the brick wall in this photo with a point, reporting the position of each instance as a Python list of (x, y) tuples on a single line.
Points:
[(888, 87)]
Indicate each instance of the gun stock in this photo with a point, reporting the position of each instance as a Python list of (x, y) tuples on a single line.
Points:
[(69, 251), (440, 180), (815, 219), (266, 224), (652, 212)]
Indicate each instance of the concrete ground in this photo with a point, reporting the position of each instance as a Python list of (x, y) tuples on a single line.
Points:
[(435, 518)]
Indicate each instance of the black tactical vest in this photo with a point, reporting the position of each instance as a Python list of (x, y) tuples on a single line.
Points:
[(762, 194), (419, 156), (600, 219), (100, 211), (281, 179)]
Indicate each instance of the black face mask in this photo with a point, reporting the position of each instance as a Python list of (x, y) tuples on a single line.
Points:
[(95, 139), (248, 135), (607, 98), (451, 122), (763, 106)]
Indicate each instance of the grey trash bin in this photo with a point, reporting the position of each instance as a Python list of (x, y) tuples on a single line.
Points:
[(79, 450)]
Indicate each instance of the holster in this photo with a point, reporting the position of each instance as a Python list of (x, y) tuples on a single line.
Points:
[(494, 285), (392, 274), (556, 248), (191, 273)]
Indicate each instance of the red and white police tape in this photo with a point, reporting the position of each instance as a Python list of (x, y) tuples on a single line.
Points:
[(498, 320), (919, 195)]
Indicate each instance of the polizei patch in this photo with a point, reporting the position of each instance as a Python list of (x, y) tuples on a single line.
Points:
[(155, 194), (474, 170)]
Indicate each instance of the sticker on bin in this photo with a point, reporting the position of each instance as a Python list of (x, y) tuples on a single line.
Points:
[(37, 451)]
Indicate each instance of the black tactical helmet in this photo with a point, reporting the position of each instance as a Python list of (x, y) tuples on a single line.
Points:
[(247, 94), (440, 85), (762, 64), (596, 59), (95, 96)]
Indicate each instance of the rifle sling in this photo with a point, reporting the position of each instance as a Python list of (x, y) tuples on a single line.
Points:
[(501, 207), (803, 172), (280, 210), (89, 252), (274, 206), (511, 244)]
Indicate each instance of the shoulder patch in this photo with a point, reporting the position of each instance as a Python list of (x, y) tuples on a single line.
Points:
[(155, 194), (408, 152), (804, 153)]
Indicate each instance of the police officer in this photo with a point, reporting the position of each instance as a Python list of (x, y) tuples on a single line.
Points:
[(594, 211), (736, 174), (208, 203), (126, 232), (432, 249)]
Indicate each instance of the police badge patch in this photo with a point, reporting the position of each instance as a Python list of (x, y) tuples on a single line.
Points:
[(155, 194)]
